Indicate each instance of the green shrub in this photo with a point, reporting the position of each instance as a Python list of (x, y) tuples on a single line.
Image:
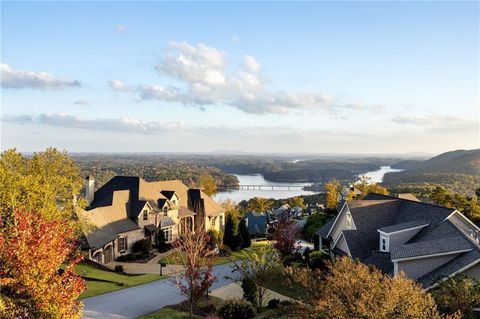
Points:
[(243, 232), (318, 259), (142, 246), (216, 237), (249, 290), (236, 309), (273, 303), (119, 269)]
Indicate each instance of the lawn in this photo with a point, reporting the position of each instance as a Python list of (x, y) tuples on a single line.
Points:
[(167, 313), (172, 259), (102, 281)]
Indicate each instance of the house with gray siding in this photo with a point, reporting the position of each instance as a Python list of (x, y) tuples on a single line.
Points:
[(428, 243)]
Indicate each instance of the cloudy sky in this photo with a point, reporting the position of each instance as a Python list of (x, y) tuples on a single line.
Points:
[(323, 77)]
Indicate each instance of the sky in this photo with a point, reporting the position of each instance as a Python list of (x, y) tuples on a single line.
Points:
[(263, 77)]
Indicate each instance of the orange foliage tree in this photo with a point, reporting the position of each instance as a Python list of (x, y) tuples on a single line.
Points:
[(34, 285)]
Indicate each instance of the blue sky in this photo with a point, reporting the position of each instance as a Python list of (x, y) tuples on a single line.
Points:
[(319, 77)]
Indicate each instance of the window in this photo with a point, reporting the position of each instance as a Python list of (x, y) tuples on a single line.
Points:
[(174, 202), (167, 233), (220, 221), (383, 243), (122, 244), (212, 222), (165, 210), (145, 214), (349, 220)]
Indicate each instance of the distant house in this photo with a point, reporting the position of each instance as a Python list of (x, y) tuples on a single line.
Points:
[(127, 209), (429, 243), (259, 224)]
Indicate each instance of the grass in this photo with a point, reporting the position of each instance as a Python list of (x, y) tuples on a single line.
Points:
[(172, 259), (102, 281), (280, 285), (167, 313)]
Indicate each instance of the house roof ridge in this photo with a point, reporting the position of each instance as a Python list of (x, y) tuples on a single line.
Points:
[(409, 200)]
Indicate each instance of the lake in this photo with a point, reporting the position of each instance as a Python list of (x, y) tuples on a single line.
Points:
[(237, 195)]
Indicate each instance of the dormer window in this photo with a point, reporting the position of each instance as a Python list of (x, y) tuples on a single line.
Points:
[(145, 214), (349, 220)]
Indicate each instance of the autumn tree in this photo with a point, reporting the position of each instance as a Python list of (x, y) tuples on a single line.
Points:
[(460, 293), (258, 267), (46, 183), (284, 238), (350, 289), (33, 250), (197, 258), (208, 183), (259, 204), (365, 186), (332, 191)]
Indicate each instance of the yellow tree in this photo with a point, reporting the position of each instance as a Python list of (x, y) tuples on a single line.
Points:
[(45, 183), (332, 188), (259, 204), (365, 187), (208, 184), (350, 289)]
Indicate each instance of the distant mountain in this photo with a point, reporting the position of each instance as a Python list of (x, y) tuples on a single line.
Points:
[(457, 170), (459, 161)]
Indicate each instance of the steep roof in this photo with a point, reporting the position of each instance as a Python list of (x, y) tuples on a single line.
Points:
[(389, 214)]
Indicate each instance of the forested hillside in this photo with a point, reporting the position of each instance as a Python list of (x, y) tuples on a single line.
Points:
[(150, 168), (457, 171)]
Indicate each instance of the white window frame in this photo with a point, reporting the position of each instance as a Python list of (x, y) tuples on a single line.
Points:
[(387, 244), (145, 214), (122, 244)]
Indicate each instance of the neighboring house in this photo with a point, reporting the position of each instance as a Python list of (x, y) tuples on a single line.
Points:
[(258, 224), (429, 243), (127, 209)]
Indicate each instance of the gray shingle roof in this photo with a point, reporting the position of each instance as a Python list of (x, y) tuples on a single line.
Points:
[(402, 226), (323, 231), (430, 247), (449, 268), (166, 222), (257, 223)]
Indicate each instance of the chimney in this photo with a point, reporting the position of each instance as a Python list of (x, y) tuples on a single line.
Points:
[(89, 189)]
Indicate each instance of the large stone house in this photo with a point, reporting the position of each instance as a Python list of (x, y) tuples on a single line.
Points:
[(127, 209), (428, 243)]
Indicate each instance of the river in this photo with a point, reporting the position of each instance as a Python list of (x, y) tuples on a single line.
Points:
[(237, 195)]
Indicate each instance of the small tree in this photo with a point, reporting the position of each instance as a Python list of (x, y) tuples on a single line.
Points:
[(208, 184), (32, 252), (350, 289), (243, 232), (332, 188), (216, 237), (260, 267), (196, 257), (285, 236), (259, 204), (459, 293)]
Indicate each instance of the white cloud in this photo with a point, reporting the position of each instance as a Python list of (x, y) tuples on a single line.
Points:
[(434, 120), (119, 86), (14, 79), (124, 124), (207, 78)]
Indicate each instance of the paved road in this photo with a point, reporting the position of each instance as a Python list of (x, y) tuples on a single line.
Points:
[(140, 300)]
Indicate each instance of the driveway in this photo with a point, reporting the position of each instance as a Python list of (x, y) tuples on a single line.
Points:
[(141, 300)]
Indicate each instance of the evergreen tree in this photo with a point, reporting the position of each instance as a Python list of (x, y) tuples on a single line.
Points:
[(243, 233), (161, 242), (230, 237)]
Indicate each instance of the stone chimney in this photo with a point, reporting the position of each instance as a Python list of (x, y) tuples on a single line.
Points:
[(89, 189)]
